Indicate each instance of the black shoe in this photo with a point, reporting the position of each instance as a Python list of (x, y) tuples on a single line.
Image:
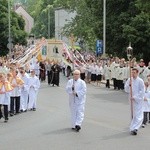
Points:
[(34, 109), (17, 113), (134, 132), (143, 125), (77, 128), (11, 114), (25, 110), (21, 110), (73, 128), (6, 120)]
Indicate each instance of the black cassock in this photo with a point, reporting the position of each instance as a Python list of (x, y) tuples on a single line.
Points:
[(55, 74)]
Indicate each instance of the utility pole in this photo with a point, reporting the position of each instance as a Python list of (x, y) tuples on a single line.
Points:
[(104, 27), (48, 23), (9, 45)]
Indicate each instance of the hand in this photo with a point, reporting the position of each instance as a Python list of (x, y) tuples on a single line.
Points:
[(1, 92), (145, 99), (72, 88), (74, 93), (14, 85), (132, 99)]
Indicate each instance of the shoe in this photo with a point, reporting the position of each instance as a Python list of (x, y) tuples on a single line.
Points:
[(77, 128), (6, 120), (73, 128), (34, 109), (11, 114), (25, 110), (17, 113), (143, 125), (134, 132)]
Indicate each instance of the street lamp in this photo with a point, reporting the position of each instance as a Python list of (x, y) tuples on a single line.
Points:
[(31, 39), (129, 56), (9, 30), (104, 27), (49, 7)]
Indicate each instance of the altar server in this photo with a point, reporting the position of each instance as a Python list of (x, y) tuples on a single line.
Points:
[(5, 89), (138, 91), (76, 88), (34, 85)]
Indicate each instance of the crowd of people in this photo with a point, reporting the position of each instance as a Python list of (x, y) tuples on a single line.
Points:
[(118, 71), (19, 85), (18, 89)]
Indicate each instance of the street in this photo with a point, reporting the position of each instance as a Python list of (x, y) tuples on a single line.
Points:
[(105, 127)]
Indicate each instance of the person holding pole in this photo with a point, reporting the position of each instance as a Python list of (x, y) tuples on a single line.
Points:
[(136, 89), (76, 89)]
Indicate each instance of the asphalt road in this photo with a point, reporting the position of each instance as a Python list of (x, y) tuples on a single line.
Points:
[(105, 127)]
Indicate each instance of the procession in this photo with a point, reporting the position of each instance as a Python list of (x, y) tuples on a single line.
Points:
[(74, 75), (20, 85)]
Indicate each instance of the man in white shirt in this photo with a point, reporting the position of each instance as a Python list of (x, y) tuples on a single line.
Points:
[(76, 88), (137, 99)]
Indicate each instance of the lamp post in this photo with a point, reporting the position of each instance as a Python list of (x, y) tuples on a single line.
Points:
[(129, 56), (9, 30), (31, 39), (49, 23), (104, 27)]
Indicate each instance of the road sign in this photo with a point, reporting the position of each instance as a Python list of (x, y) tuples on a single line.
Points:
[(99, 47)]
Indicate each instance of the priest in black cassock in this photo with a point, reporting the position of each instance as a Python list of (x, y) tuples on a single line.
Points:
[(55, 74)]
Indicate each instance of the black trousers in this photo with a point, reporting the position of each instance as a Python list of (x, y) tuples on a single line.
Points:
[(82, 75), (115, 83), (145, 119), (120, 84), (49, 75), (5, 111), (14, 101), (107, 84)]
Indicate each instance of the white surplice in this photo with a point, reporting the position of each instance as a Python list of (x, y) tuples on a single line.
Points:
[(24, 93), (76, 103), (138, 91), (34, 85)]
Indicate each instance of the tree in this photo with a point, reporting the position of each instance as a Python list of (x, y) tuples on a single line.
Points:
[(127, 21), (17, 28), (39, 10)]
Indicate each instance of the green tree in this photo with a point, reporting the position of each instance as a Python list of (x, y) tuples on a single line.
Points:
[(127, 21), (17, 28), (39, 10)]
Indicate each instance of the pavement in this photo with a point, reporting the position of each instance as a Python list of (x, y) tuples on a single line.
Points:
[(105, 127)]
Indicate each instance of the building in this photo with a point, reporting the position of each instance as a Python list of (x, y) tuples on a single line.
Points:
[(62, 17), (29, 21)]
